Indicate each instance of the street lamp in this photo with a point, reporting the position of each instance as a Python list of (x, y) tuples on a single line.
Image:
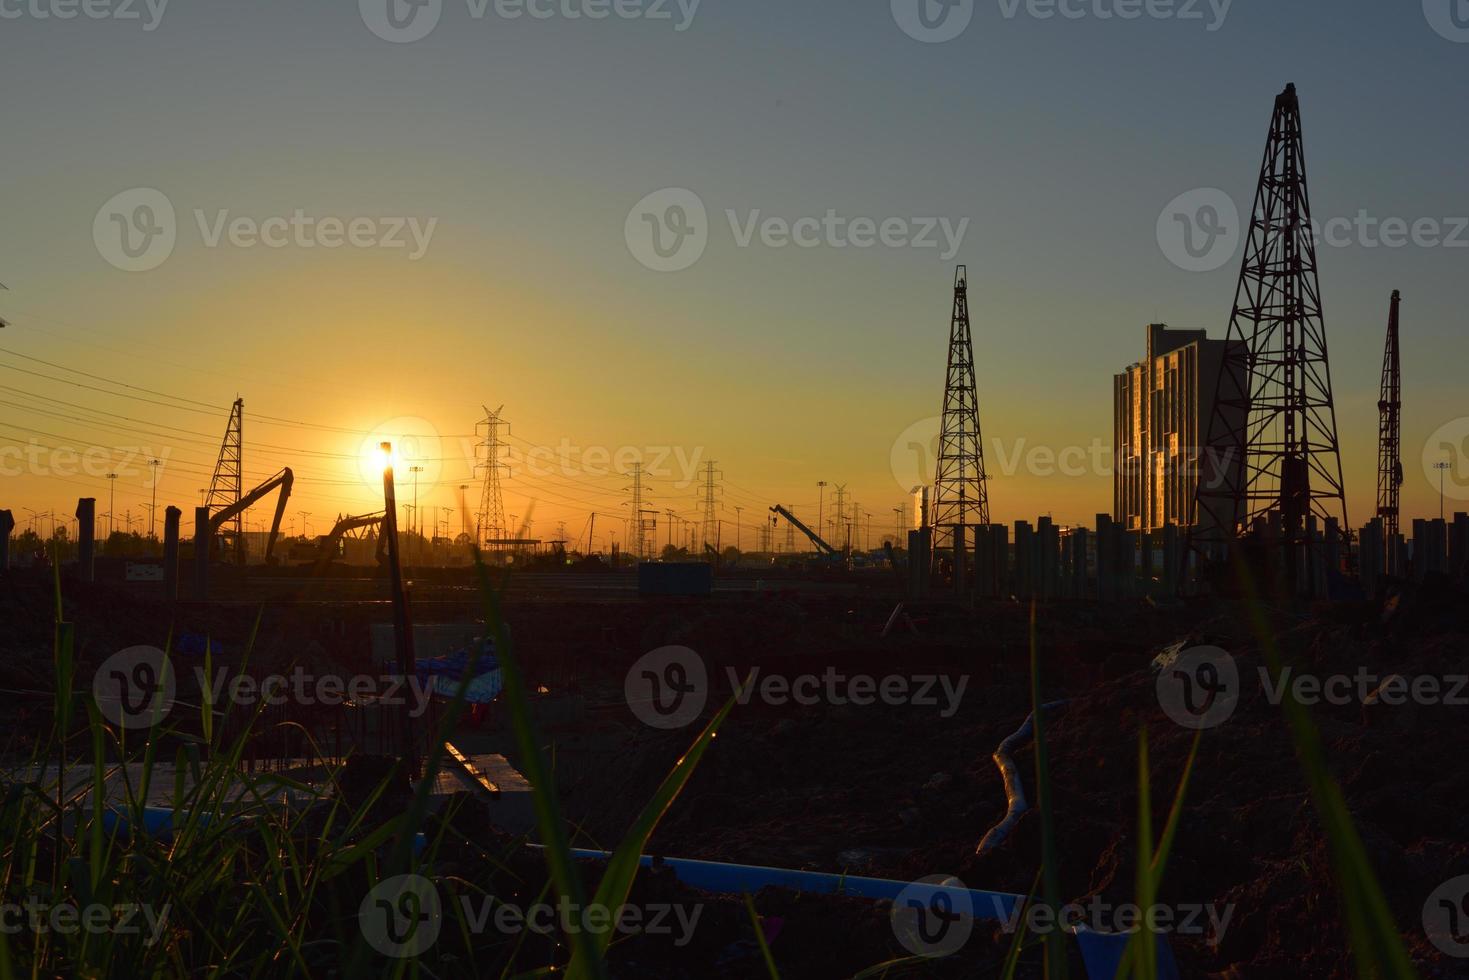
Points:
[(1442, 469), (111, 502)]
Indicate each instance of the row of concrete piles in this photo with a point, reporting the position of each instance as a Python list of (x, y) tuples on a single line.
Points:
[(1440, 547), (1046, 561), (85, 569)]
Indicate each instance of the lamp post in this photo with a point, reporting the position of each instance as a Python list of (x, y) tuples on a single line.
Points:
[(402, 622), (154, 505), (1442, 469), (111, 502)]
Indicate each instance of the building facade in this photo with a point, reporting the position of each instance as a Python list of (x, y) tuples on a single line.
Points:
[(1161, 411)]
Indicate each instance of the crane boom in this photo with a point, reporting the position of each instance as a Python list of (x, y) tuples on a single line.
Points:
[(816, 539)]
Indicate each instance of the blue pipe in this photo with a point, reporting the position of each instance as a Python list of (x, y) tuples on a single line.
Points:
[(716, 876)]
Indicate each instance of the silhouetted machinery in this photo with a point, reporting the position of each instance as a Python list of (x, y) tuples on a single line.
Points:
[(825, 550), (329, 545), (207, 526)]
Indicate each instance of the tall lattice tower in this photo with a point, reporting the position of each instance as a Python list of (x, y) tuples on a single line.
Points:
[(710, 528), (227, 484), (639, 524), (1272, 445), (1390, 430), (490, 519), (961, 486)]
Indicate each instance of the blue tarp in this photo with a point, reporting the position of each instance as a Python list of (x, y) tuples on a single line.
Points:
[(441, 675)]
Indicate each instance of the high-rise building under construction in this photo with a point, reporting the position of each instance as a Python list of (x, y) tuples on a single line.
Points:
[(1161, 408)]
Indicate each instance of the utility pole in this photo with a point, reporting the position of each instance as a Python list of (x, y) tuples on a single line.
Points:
[(154, 506), (304, 514), (1442, 469), (737, 527), (820, 500)]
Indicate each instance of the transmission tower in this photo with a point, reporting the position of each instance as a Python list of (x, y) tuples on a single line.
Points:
[(961, 487), (638, 525), (227, 484), (710, 528), (1390, 432), (490, 519), (1272, 445)]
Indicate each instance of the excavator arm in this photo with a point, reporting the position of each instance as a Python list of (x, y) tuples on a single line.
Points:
[(282, 480), (330, 541)]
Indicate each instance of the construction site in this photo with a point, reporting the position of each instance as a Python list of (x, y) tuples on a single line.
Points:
[(894, 737)]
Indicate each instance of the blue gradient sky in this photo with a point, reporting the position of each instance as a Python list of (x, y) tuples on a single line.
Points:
[(1060, 141)]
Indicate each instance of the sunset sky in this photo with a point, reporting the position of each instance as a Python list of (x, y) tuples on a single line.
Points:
[(518, 148)]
